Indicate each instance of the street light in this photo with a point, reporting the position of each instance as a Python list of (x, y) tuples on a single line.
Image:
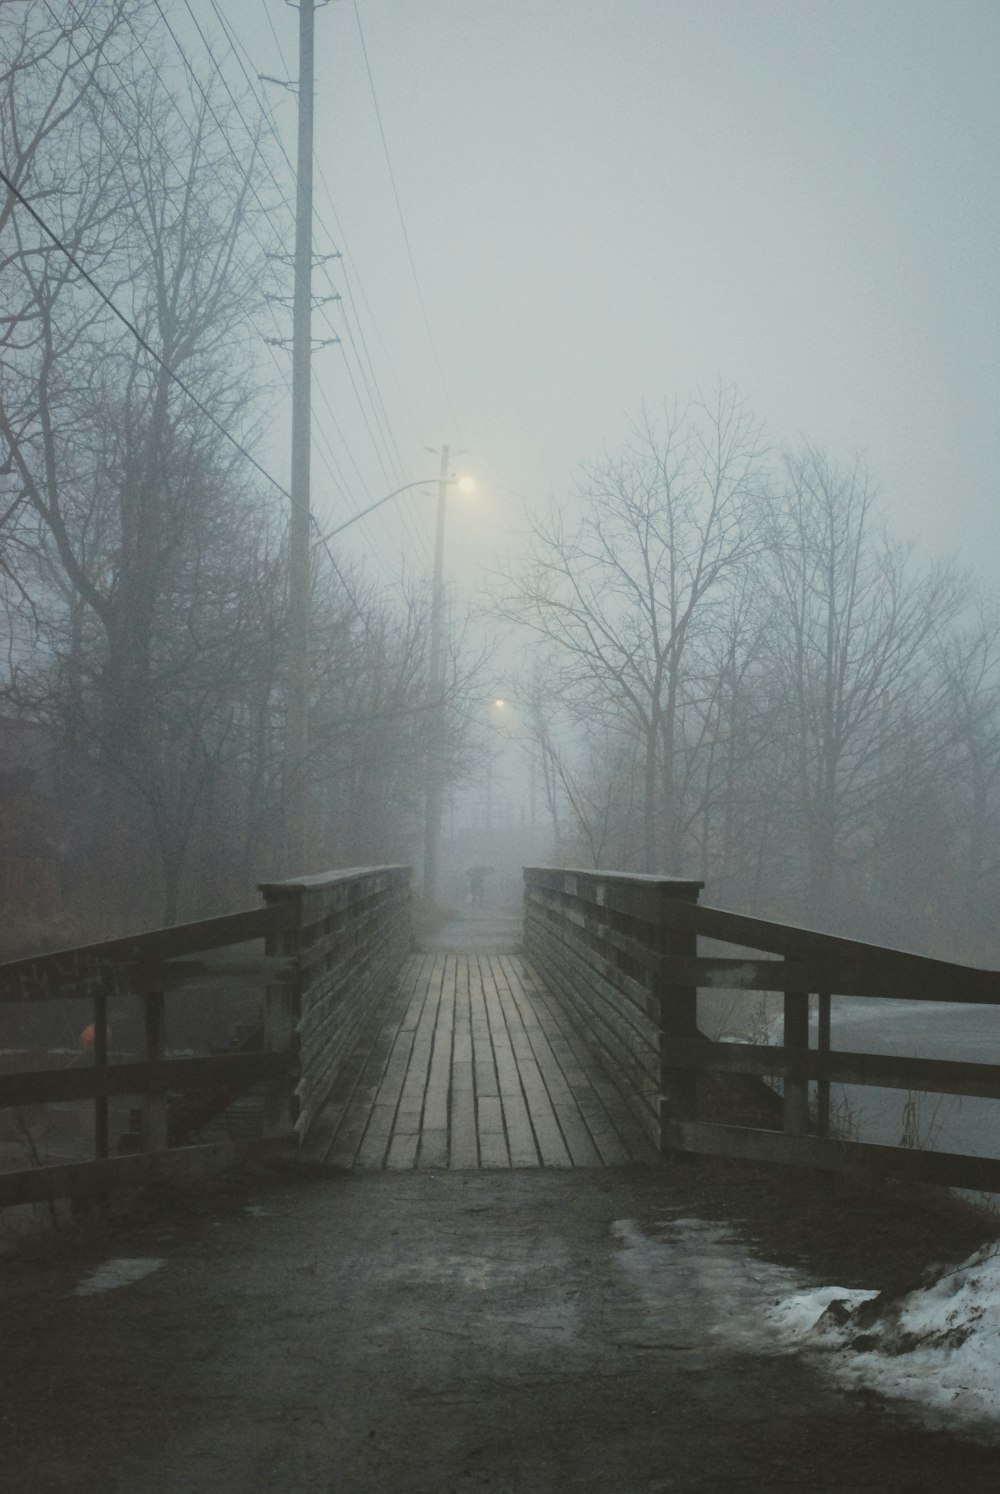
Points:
[(432, 791), (465, 484)]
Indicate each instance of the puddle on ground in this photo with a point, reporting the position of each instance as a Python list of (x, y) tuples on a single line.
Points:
[(116, 1273), (696, 1279)]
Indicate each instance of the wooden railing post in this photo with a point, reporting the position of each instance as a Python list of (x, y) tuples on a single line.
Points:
[(154, 1102), (101, 1062), (823, 1045), (795, 1116)]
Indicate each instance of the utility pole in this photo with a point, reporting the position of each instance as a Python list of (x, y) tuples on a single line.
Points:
[(435, 681), (296, 787)]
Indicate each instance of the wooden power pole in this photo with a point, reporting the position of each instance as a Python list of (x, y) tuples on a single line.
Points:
[(435, 673), (296, 783)]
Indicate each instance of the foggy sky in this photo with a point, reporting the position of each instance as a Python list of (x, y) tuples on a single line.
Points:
[(612, 201)]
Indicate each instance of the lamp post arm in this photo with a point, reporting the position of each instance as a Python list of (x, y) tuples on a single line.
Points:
[(420, 483)]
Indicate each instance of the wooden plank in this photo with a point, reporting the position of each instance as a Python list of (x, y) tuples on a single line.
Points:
[(403, 1151), (80, 1179), (633, 990), (52, 976), (952, 1169), (877, 977), (549, 1141), (464, 1152), (46, 1086), (339, 1128), (637, 1134), (639, 1079), (378, 1132), (939, 1075), (598, 1100), (618, 1135), (576, 1137), (433, 1149), (383, 1079), (463, 1138), (635, 896), (798, 943), (614, 1028)]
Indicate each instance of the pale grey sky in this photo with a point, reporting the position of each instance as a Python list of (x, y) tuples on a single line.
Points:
[(612, 201)]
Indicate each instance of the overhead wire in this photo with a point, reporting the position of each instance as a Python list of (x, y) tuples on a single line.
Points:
[(377, 422), (324, 447), (191, 133), (348, 262), (402, 224), (130, 325), (161, 362), (377, 425)]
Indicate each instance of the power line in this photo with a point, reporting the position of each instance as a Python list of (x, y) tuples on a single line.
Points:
[(339, 237), (137, 334), (402, 224), (384, 444), (381, 419)]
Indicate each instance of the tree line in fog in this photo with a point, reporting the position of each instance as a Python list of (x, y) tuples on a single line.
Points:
[(742, 675), (142, 554)]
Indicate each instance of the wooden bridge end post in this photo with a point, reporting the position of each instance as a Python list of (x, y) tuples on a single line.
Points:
[(280, 1017), (678, 1021)]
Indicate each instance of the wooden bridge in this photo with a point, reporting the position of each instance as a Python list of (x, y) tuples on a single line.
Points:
[(581, 1049)]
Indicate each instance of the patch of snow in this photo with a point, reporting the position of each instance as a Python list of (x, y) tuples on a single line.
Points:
[(797, 1316), (116, 1273), (938, 1347)]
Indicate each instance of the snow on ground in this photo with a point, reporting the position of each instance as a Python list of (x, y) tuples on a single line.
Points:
[(116, 1273), (938, 1347)]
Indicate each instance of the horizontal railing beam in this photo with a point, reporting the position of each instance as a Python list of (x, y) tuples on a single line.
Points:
[(746, 1144), (224, 1071), (86, 969), (947, 1076), (135, 1170), (877, 977)]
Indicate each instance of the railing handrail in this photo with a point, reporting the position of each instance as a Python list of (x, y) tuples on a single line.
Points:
[(632, 952), (321, 932), (153, 946)]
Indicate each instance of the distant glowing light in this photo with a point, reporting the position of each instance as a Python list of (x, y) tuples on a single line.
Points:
[(466, 485), (500, 703)]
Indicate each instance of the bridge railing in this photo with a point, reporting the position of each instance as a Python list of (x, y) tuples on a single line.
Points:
[(597, 939), (622, 953), (326, 949), (349, 933)]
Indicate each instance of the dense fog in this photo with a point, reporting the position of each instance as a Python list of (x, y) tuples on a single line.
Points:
[(723, 604)]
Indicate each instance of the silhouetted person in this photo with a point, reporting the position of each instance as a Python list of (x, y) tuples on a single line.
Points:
[(477, 884)]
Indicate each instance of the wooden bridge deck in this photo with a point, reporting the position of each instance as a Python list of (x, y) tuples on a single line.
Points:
[(472, 1064)]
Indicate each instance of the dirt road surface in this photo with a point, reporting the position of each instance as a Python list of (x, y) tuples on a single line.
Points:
[(421, 1333)]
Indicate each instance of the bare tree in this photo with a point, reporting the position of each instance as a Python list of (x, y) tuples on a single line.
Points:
[(849, 643), (133, 499), (622, 596), (969, 657)]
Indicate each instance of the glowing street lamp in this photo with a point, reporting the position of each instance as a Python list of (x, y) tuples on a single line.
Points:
[(432, 788), (464, 485)]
